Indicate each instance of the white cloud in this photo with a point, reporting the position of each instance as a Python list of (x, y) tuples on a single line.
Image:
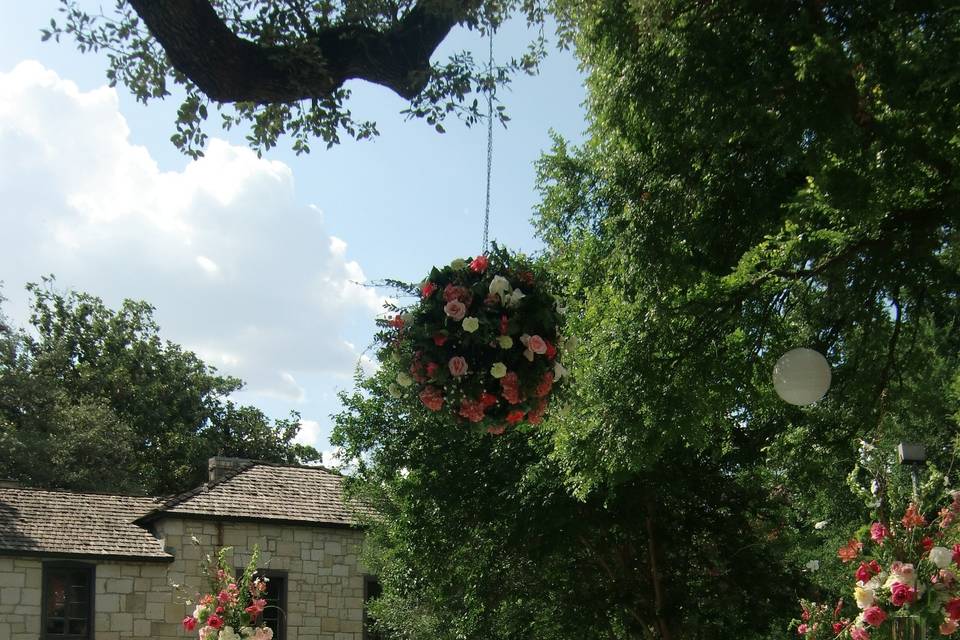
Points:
[(311, 433), (238, 270)]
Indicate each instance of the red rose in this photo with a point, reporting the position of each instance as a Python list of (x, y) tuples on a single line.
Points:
[(432, 369), (396, 322), (515, 416), (472, 410), (874, 616), (220, 610), (439, 339), (956, 554), (432, 398), (536, 415), (427, 289), (189, 623), (837, 628), (497, 430), (545, 385), (901, 594), (503, 324), (927, 543), (510, 384), (863, 572), (488, 399), (214, 621), (551, 351), (953, 609), (479, 264)]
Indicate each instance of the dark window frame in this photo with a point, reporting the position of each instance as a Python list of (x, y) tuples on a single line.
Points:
[(68, 566), (371, 588), (281, 632)]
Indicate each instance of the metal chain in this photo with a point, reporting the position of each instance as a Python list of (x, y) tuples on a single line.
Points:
[(486, 214)]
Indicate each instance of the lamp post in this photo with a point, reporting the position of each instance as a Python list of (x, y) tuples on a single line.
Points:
[(914, 455)]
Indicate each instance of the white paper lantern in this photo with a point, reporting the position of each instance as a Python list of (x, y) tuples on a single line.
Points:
[(801, 376)]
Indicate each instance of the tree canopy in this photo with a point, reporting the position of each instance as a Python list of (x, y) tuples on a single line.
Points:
[(281, 66), (93, 399), (758, 176)]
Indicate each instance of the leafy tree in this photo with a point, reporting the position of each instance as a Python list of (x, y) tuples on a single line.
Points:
[(281, 66), (107, 405), (758, 176)]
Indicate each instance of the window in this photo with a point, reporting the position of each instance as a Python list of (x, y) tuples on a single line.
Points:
[(67, 601), (371, 590), (275, 615)]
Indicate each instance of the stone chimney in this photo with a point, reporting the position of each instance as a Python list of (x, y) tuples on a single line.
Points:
[(220, 466)]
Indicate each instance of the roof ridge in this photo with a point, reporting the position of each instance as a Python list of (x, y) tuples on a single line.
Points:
[(105, 494)]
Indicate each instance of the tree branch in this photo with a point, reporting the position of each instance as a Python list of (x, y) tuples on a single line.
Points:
[(228, 68)]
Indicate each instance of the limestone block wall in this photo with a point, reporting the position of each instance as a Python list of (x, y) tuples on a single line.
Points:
[(325, 579), (325, 582), (20, 583)]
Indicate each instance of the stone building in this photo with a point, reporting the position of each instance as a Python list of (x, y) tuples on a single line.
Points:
[(76, 566)]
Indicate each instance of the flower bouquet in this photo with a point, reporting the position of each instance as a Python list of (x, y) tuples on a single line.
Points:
[(231, 609), (906, 579), (482, 343)]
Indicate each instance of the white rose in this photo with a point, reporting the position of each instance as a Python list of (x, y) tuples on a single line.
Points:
[(821, 525), (227, 633), (458, 264), (404, 380), (813, 565), (941, 556), (395, 391), (470, 324), (864, 597), (514, 299), (558, 371), (498, 370), (499, 286), (505, 342)]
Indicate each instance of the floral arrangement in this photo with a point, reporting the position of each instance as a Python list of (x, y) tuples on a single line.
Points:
[(231, 608), (906, 573), (482, 343)]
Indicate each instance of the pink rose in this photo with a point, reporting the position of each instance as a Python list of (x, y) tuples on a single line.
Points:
[(874, 616), (878, 532), (802, 629), (537, 344), (458, 366), (461, 294), (901, 594), (455, 309), (859, 633)]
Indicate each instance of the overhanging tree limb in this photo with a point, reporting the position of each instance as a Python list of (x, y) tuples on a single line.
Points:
[(228, 68)]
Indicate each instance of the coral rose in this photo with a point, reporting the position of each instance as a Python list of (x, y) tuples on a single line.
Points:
[(432, 398), (479, 264), (472, 410)]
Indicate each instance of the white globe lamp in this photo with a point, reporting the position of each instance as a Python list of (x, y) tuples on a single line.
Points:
[(801, 376)]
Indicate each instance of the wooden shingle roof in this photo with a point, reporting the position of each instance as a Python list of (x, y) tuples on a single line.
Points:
[(268, 492), (65, 523)]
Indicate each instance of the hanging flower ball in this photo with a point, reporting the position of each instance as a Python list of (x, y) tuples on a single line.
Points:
[(481, 344), (801, 376)]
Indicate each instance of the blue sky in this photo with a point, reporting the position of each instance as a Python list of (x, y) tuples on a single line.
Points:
[(251, 262)]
